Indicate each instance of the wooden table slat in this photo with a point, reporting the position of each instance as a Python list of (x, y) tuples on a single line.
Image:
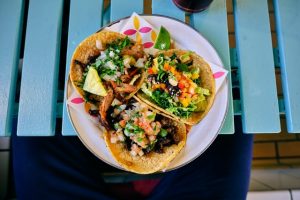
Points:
[(40, 69), (288, 34), (207, 22), (260, 112), (10, 40)]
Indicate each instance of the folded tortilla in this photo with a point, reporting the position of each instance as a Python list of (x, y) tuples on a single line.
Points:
[(90, 48), (151, 162), (207, 82)]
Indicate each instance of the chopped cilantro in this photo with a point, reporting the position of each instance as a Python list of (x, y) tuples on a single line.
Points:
[(107, 71), (136, 115), (151, 117), (197, 81), (161, 75), (163, 132), (133, 129), (173, 57), (118, 81), (120, 44), (151, 146), (161, 98), (149, 62), (182, 67)]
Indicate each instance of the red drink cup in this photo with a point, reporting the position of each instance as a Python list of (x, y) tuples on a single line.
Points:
[(192, 6)]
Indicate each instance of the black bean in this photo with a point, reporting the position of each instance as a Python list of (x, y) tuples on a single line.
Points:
[(111, 120), (81, 64), (166, 122), (147, 150), (174, 90), (128, 143), (94, 113), (159, 150), (92, 59), (130, 103)]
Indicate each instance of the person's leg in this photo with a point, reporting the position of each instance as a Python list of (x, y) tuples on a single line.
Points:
[(61, 167), (56, 168), (222, 172)]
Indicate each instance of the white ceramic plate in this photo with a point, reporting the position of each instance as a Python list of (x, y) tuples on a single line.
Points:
[(201, 135)]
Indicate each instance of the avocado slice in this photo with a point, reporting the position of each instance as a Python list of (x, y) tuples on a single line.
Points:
[(93, 83)]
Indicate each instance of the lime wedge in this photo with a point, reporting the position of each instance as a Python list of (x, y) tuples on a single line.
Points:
[(163, 40), (93, 83)]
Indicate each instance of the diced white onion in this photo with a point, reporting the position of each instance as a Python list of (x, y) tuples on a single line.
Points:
[(103, 55), (118, 74), (126, 62), (140, 63), (192, 90), (110, 65), (111, 54), (99, 45), (173, 82), (113, 139), (120, 135), (151, 51), (133, 153), (107, 77), (152, 137)]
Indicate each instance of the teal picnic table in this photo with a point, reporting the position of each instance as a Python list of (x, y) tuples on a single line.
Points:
[(38, 37)]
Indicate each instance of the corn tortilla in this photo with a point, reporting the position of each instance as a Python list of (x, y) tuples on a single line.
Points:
[(207, 81), (87, 49)]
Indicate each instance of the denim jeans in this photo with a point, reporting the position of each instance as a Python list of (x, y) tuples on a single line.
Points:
[(62, 168)]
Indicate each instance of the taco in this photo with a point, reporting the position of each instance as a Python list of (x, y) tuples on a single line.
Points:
[(107, 64), (179, 83), (141, 140)]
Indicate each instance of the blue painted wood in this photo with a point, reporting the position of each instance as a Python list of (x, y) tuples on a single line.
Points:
[(260, 113), (288, 34), (167, 8), (10, 40), (40, 69), (124, 8), (207, 22), (85, 19)]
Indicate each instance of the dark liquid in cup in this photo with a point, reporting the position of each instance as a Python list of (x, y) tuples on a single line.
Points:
[(192, 6)]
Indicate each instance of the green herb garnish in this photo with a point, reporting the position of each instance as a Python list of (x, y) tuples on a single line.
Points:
[(163, 132), (161, 75), (182, 67)]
